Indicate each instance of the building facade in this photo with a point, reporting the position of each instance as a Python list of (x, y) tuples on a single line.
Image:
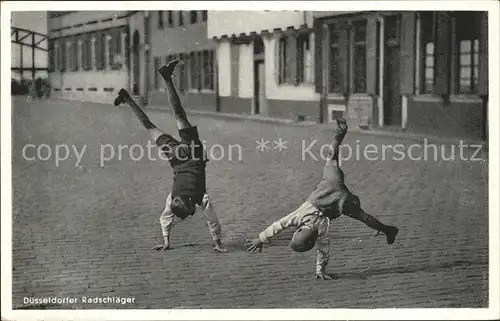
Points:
[(88, 54), (160, 36), (417, 71), (420, 71), (265, 63)]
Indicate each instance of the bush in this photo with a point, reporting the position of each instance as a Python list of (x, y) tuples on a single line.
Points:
[(37, 88), (19, 87)]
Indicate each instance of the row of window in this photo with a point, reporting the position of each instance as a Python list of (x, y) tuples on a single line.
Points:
[(466, 39), (347, 54), (177, 18), (195, 72), (77, 54)]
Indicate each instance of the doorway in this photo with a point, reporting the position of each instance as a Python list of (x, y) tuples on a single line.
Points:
[(392, 63), (260, 106), (259, 78), (136, 64)]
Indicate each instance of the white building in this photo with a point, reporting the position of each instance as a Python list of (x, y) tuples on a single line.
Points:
[(265, 62), (89, 59)]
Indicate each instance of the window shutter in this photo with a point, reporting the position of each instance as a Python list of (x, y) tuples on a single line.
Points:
[(112, 49), (279, 62), (343, 56), (199, 67), (97, 44), (63, 56), (371, 57), (319, 38), (89, 53), (291, 59), (407, 52), (483, 54), (443, 46)]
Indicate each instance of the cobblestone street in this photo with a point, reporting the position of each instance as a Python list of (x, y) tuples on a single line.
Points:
[(86, 228)]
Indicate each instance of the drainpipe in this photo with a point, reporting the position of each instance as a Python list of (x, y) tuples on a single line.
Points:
[(323, 37), (217, 94)]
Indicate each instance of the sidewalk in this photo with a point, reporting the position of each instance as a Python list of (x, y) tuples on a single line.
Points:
[(386, 132)]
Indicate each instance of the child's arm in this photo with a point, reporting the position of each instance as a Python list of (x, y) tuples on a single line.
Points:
[(273, 230), (323, 242), (166, 222)]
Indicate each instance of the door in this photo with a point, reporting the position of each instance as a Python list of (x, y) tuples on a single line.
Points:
[(392, 98), (260, 102), (136, 64)]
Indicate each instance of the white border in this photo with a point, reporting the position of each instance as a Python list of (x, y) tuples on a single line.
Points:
[(273, 314)]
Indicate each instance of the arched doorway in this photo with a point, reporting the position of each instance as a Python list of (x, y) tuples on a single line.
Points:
[(136, 64)]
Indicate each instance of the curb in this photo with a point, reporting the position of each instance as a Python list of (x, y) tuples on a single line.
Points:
[(262, 119)]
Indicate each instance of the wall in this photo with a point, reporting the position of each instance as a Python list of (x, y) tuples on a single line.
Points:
[(77, 22), (229, 23), (178, 39), (88, 85), (458, 119), (174, 40), (86, 80), (245, 71), (224, 67)]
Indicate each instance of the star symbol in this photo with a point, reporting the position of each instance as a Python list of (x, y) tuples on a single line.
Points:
[(262, 144), (280, 144)]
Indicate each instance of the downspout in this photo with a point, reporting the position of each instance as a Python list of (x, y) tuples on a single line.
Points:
[(217, 94)]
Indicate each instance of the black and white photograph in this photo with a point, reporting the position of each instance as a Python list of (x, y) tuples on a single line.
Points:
[(249, 160)]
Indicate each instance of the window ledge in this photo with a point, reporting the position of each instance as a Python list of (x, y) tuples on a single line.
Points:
[(466, 99), (360, 97), (202, 91), (335, 96), (427, 98), (288, 85)]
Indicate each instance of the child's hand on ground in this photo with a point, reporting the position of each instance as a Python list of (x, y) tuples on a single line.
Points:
[(323, 276), (161, 247), (218, 247), (254, 245)]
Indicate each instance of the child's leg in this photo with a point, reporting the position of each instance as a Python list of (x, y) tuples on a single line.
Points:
[(213, 223), (123, 96), (173, 97), (354, 210), (340, 133)]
